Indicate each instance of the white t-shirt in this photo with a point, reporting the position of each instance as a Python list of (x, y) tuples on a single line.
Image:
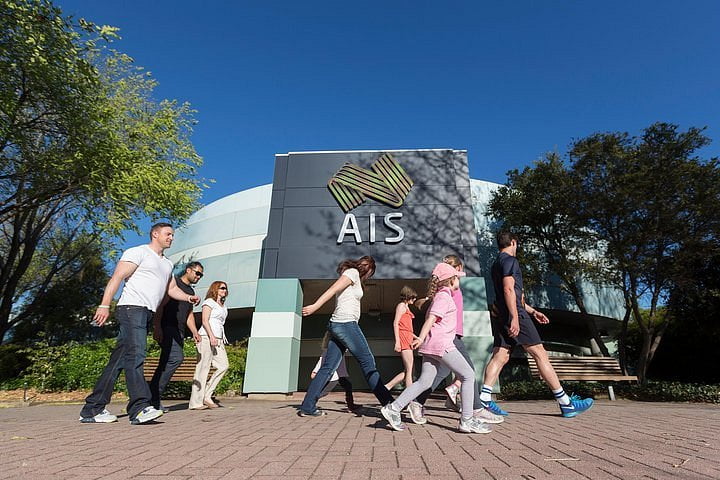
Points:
[(146, 287), (347, 305), (218, 314)]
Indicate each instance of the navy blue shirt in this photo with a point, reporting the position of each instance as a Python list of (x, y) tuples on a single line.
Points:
[(175, 313), (506, 265)]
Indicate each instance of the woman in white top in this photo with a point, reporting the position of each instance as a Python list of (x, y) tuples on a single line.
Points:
[(211, 348), (345, 334)]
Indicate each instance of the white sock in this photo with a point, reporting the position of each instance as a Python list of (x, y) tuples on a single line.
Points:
[(486, 393), (561, 396)]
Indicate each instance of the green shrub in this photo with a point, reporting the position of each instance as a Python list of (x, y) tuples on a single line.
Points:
[(651, 392), (76, 366), (231, 383), (13, 360), (68, 367), (672, 392), (233, 380)]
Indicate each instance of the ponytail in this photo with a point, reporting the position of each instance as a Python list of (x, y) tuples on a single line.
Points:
[(435, 284)]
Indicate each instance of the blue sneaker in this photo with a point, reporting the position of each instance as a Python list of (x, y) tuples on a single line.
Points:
[(494, 408), (576, 406)]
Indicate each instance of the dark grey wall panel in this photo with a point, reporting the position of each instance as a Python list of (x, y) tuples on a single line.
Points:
[(272, 240), (280, 175), (305, 220), (268, 264)]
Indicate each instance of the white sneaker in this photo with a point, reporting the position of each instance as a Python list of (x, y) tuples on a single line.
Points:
[(452, 393), (102, 417), (393, 417), (416, 413), (146, 414), (486, 416), (473, 425)]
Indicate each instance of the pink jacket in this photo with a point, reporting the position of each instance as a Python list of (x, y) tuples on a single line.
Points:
[(442, 334)]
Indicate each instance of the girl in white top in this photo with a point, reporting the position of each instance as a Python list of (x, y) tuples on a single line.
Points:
[(345, 334), (211, 348)]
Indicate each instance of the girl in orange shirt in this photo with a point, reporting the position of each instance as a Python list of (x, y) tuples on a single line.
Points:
[(403, 327)]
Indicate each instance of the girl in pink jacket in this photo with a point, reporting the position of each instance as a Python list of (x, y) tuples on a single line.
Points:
[(436, 344)]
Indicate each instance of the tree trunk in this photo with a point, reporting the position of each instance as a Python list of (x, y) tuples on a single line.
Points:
[(589, 321), (622, 354), (644, 360)]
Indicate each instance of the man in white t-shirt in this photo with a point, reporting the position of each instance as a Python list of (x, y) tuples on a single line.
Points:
[(148, 277)]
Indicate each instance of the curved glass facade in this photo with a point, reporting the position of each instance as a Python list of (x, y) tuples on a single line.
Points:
[(226, 236)]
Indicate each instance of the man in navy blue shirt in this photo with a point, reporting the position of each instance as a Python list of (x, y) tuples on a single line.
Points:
[(512, 325)]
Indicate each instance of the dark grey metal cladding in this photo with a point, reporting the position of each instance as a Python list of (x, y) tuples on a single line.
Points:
[(281, 168), (305, 219), (275, 224)]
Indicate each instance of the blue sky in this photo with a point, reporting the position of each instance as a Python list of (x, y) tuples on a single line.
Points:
[(507, 81)]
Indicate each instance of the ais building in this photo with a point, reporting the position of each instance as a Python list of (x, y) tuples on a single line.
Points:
[(278, 246)]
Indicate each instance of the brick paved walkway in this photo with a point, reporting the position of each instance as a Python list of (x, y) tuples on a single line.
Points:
[(265, 439)]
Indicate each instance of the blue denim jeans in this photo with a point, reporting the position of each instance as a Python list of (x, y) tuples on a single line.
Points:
[(171, 356), (345, 336), (128, 355)]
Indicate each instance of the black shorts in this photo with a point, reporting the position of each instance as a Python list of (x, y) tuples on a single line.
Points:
[(528, 333)]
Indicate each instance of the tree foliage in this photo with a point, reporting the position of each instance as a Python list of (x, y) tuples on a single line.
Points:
[(84, 150), (651, 202)]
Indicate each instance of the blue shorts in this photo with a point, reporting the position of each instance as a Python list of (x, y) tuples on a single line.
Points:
[(528, 335)]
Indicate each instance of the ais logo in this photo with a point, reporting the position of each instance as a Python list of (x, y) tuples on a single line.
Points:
[(386, 181)]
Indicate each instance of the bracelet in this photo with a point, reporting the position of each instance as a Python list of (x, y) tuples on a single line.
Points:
[(103, 306)]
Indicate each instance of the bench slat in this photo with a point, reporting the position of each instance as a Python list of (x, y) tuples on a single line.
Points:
[(584, 368), (184, 373)]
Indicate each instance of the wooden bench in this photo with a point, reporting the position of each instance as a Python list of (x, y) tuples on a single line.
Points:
[(184, 373), (602, 369)]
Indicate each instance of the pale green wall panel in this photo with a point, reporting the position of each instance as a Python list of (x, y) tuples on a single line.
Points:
[(279, 295), (474, 293), (272, 361), (272, 365)]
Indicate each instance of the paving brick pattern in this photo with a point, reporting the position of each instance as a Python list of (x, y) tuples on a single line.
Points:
[(266, 440)]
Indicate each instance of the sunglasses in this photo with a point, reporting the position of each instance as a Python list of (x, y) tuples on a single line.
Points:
[(222, 288), (197, 273)]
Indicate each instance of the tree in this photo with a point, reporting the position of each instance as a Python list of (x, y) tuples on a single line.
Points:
[(84, 149), (649, 202), (539, 204), (648, 208), (64, 312), (689, 349)]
